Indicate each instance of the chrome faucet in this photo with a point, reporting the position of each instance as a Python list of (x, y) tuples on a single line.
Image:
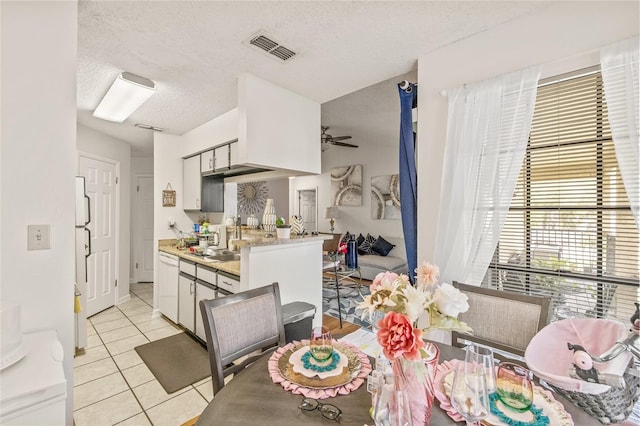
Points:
[(238, 229)]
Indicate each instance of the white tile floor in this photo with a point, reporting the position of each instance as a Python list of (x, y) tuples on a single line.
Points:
[(111, 384)]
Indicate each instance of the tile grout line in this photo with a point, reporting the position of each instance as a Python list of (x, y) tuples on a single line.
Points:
[(120, 370)]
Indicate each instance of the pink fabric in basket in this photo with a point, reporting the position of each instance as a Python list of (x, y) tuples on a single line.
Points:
[(549, 358), (274, 371)]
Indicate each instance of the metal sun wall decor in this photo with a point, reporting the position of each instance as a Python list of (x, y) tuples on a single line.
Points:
[(346, 186), (252, 197), (385, 197)]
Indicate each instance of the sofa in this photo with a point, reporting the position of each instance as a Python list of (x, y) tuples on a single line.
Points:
[(395, 261)]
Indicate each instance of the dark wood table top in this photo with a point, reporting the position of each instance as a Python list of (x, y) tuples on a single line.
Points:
[(252, 398)]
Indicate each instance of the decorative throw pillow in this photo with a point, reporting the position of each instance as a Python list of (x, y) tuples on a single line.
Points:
[(382, 246), (345, 238), (365, 247), (359, 240)]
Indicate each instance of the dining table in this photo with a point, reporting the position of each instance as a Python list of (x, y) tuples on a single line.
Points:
[(251, 397)]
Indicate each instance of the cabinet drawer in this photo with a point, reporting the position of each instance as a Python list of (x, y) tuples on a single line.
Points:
[(228, 283), (188, 267), (207, 275)]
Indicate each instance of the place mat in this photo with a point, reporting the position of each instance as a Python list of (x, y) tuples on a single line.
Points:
[(176, 361), (352, 377), (542, 399)]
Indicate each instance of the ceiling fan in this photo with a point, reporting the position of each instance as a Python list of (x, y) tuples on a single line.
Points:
[(327, 139)]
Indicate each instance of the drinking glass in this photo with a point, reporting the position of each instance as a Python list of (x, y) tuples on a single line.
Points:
[(483, 357), (469, 395), (320, 344), (514, 386)]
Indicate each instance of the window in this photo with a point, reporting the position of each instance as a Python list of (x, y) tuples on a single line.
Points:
[(570, 233)]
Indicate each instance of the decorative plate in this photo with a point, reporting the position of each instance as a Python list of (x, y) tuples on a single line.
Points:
[(348, 373), (299, 367), (542, 399)]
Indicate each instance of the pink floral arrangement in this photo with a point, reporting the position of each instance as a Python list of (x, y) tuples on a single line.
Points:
[(404, 305)]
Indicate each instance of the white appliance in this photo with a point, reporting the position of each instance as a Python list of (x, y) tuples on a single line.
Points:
[(34, 389), (83, 251), (168, 285)]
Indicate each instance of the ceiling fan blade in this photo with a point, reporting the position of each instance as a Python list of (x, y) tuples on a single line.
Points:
[(341, 138), (349, 145)]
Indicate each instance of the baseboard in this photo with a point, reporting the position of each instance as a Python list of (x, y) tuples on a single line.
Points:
[(124, 299), (156, 314)]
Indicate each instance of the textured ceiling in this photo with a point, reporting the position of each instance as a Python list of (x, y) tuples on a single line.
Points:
[(194, 51)]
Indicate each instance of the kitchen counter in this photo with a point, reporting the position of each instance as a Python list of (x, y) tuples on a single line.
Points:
[(258, 239), (169, 246)]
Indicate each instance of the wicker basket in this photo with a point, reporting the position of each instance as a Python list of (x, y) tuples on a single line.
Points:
[(549, 358), (612, 406)]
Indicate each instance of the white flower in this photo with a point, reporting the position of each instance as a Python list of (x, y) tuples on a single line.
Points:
[(416, 302), (449, 300)]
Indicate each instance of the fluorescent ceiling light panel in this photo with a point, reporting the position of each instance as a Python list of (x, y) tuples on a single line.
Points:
[(125, 95)]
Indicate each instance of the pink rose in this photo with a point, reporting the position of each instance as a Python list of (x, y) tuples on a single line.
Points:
[(398, 338), (380, 278)]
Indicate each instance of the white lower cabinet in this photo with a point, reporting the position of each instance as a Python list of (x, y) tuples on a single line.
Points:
[(229, 283), (186, 301), (204, 291)]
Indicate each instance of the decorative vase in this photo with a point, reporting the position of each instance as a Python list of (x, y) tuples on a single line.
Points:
[(410, 399), (269, 216), (252, 221), (297, 225)]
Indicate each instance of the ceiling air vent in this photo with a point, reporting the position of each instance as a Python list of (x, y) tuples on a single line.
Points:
[(270, 47)]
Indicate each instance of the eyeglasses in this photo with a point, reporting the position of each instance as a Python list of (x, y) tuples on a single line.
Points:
[(328, 411)]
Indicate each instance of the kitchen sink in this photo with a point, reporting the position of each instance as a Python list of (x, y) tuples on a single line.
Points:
[(223, 257)]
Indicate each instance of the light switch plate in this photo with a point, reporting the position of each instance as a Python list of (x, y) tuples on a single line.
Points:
[(38, 237)]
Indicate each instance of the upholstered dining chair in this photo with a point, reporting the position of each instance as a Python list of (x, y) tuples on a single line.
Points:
[(239, 325), (502, 320)]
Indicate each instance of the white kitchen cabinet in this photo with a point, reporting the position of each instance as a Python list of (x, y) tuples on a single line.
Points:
[(204, 291), (192, 183), (186, 301), (221, 154), (228, 283), (233, 154), (207, 161)]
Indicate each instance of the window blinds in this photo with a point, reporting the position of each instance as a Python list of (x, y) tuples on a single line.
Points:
[(570, 233)]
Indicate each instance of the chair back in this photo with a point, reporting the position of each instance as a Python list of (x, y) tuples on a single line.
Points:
[(238, 325), (502, 320)]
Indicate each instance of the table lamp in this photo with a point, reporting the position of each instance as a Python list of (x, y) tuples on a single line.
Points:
[(332, 213)]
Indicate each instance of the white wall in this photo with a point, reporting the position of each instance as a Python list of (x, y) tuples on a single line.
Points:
[(564, 36), (372, 117), (38, 165), (95, 143)]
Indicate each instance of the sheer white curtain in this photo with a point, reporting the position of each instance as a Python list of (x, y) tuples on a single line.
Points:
[(487, 132), (619, 63)]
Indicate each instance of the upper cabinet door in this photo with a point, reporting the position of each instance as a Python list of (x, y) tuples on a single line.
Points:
[(207, 161), (221, 157), (192, 183), (233, 154)]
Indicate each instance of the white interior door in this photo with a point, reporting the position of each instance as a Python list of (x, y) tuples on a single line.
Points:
[(100, 178), (307, 208), (143, 232)]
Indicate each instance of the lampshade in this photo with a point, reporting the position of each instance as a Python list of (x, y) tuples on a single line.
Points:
[(125, 95), (332, 213)]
